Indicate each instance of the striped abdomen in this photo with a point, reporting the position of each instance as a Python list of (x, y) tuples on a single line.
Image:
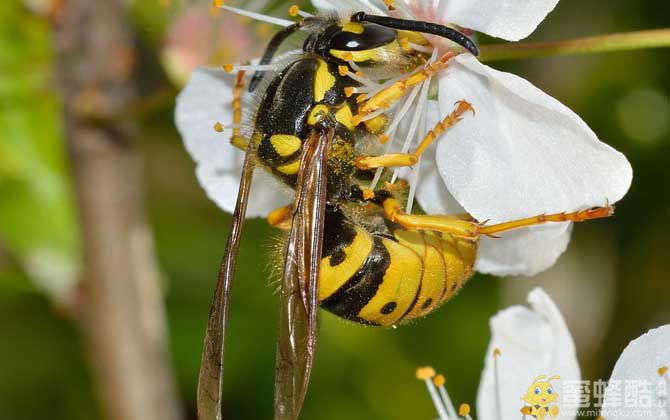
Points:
[(378, 280)]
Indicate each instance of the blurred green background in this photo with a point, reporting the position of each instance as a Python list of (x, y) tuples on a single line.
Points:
[(613, 284)]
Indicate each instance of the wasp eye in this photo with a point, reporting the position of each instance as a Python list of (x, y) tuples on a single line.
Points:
[(373, 36), (538, 390)]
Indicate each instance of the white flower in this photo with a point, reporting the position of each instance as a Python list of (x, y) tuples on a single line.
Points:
[(640, 381), (523, 153), (206, 100), (526, 343)]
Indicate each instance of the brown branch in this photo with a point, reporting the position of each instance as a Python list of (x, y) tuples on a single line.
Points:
[(123, 314)]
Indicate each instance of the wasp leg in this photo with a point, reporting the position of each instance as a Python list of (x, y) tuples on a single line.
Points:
[(281, 218), (237, 140), (409, 159), (386, 97), (455, 225), (448, 224), (576, 216)]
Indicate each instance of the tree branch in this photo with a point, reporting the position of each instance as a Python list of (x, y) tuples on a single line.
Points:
[(657, 38), (123, 312)]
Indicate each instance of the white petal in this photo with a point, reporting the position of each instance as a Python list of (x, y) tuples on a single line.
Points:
[(508, 19), (532, 342), (204, 101), (431, 193), (520, 252), (523, 153), (636, 368), (346, 5)]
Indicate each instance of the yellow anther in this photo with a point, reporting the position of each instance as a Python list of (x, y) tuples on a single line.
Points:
[(404, 43), (343, 70), (228, 68), (383, 138), (356, 119), (368, 194), (359, 73), (218, 127), (360, 98), (496, 352), (438, 380), (389, 4), (526, 410), (293, 10), (425, 373), (464, 410), (217, 3), (662, 370), (347, 56), (349, 90)]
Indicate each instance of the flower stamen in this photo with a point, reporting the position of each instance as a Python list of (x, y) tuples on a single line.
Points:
[(411, 133), (426, 374), (294, 11), (439, 382), (358, 76), (464, 411), (229, 68), (414, 177), (219, 4), (420, 48), (390, 131)]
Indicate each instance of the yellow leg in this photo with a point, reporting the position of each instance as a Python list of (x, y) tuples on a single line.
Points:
[(365, 163), (409, 159), (237, 140), (577, 216), (467, 229), (447, 224), (386, 97), (281, 218)]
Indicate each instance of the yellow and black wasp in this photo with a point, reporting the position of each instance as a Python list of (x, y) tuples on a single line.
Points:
[(350, 249)]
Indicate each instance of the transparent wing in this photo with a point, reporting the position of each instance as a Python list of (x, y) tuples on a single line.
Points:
[(210, 380), (298, 299)]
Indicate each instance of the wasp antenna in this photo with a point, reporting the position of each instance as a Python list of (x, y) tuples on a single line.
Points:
[(419, 26), (270, 51)]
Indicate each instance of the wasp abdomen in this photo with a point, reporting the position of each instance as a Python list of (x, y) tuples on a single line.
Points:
[(373, 279)]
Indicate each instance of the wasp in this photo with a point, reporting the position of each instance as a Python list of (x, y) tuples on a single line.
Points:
[(349, 249)]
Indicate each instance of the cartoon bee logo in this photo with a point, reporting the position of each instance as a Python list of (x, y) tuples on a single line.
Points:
[(541, 398)]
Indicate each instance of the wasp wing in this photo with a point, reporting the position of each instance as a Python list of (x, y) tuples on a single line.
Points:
[(210, 380), (298, 300)]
